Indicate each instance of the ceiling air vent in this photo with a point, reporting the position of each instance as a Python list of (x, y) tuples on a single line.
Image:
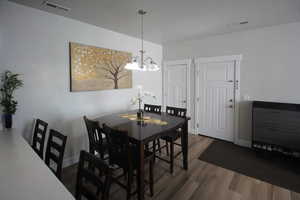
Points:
[(56, 6), (243, 22)]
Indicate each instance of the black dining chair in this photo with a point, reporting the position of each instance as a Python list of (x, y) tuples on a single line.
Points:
[(89, 183), (153, 109), (39, 136), (97, 143), (125, 155), (55, 152), (171, 138)]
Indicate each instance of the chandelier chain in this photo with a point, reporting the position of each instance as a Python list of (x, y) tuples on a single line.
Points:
[(143, 65)]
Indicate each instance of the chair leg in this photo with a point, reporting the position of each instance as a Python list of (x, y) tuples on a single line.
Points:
[(78, 197), (107, 188), (129, 182), (154, 149), (172, 157), (167, 147), (98, 191), (125, 174), (151, 181), (158, 144), (77, 194)]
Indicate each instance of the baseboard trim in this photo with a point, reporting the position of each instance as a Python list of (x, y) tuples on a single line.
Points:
[(240, 142), (193, 131), (244, 143), (70, 160), (75, 158)]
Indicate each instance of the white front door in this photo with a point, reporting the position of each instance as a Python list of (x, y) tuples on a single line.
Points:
[(176, 75), (215, 99)]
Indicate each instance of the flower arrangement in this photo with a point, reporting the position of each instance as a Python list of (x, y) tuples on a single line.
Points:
[(140, 98)]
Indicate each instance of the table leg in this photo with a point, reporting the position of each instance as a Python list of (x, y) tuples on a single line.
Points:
[(154, 149), (185, 145), (141, 171)]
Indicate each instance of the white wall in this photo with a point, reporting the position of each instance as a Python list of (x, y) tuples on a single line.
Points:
[(36, 45), (270, 67), (1, 40)]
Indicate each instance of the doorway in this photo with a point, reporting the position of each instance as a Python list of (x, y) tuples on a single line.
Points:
[(176, 90), (217, 92)]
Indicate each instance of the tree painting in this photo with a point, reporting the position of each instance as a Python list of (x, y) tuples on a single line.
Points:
[(113, 65), (94, 68)]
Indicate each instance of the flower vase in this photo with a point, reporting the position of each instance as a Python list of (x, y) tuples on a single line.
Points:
[(140, 112)]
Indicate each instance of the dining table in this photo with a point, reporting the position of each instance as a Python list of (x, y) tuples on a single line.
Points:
[(142, 131)]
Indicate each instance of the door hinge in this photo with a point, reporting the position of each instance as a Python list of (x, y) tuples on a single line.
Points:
[(236, 84)]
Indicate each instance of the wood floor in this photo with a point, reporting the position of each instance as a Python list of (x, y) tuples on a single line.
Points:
[(202, 181)]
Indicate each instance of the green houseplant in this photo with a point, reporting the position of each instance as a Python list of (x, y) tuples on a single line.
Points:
[(10, 82)]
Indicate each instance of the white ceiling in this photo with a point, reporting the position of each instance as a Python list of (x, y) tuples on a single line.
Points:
[(169, 20)]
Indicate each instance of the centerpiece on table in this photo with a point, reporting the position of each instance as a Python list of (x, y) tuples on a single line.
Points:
[(140, 98), (10, 82)]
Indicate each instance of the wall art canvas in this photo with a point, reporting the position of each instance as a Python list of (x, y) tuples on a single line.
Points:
[(95, 68)]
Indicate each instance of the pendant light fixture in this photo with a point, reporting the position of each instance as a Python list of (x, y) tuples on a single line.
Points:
[(141, 62)]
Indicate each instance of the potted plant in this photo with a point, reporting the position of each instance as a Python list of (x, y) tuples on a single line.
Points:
[(139, 100), (10, 82)]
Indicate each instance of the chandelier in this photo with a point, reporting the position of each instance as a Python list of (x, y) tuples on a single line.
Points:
[(141, 62)]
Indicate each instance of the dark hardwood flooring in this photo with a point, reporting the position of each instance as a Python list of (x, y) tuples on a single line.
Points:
[(202, 181)]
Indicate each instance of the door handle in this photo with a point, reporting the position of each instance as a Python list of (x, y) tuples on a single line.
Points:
[(184, 101), (231, 106)]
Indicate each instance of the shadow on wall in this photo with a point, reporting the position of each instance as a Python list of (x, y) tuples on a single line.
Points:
[(245, 120), (77, 138), (28, 130), (74, 129)]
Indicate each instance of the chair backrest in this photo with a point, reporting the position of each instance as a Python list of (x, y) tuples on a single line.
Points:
[(94, 134), (55, 151), (178, 112), (39, 136), (87, 173), (118, 146), (152, 108)]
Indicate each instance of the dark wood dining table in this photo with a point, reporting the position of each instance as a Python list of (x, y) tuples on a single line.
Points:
[(142, 133)]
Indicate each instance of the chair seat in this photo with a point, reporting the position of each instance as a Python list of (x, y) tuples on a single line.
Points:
[(173, 136), (121, 158)]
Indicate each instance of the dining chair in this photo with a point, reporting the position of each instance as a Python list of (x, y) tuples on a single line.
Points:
[(171, 138), (153, 109), (125, 155), (97, 143), (87, 178), (55, 152), (39, 136)]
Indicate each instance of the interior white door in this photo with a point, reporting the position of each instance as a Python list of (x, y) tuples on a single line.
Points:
[(215, 99), (176, 85)]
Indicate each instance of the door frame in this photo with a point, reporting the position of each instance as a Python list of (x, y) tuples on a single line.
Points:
[(237, 80), (168, 64)]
